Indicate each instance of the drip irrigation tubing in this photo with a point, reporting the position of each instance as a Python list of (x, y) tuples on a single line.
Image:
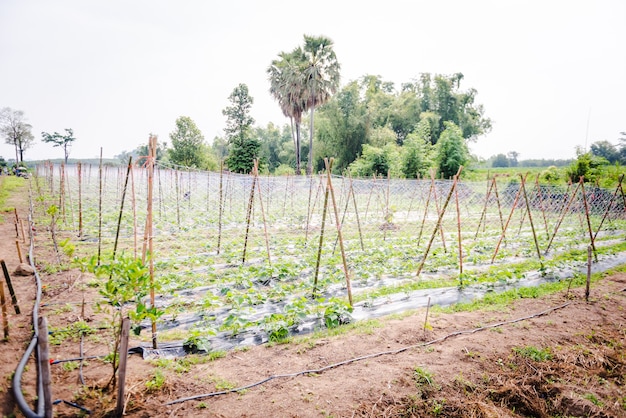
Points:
[(17, 377), (368, 356)]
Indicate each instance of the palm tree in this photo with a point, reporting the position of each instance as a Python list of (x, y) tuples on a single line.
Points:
[(321, 78), (285, 76)]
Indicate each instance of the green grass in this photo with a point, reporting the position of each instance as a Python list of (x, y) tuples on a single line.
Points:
[(534, 353), (9, 184)]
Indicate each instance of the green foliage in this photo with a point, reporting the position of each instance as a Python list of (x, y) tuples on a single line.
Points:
[(379, 161), (422, 377), (452, 151), (198, 341), (157, 381), (188, 147), (58, 140), (336, 312), (238, 119), (417, 152), (127, 281), (500, 160), (241, 157), (534, 353), (586, 165)]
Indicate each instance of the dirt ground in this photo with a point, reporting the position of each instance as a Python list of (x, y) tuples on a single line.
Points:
[(568, 361)]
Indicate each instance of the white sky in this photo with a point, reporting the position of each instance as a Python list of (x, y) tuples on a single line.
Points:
[(115, 71)]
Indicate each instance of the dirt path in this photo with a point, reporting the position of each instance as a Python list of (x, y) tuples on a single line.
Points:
[(568, 362)]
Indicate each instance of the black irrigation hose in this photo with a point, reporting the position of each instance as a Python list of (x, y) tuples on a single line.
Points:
[(17, 377), (368, 356)]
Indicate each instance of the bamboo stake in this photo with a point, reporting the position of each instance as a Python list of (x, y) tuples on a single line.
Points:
[(440, 218), (248, 216), (221, 207), (121, 372), (19, 251), (591, 237), (495, 190), (309, 208), (258, 184), (23, 233), (543, 212), (356, 213), (320, 186), (177, 199), (7, 278), (119, 219), (15, 222), (608, 208), (44, 365), (506, 226), (151, 160), (100, 208), (458, 223), (414, 192), (483, 215), (369, 196), (337, 222), (588, 273), (387, 214), (134, 203), (80, 201), (530, 218), (563, 212), (436, 198), (5, 315), (430, 191), (321, 241), (426, 316)]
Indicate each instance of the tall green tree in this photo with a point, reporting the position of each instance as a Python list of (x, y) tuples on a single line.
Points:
[(605, 150), (276, 146), (321, 79), (417, 152), (16, 131), (287, 87), (342, 127), (59, 140), (452, 151), (243, 147), (188, 147)]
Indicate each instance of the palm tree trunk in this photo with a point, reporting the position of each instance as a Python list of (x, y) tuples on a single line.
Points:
[(298, 148), (309, 166)]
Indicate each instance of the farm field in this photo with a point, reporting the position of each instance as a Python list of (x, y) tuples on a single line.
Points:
[(253, 271)]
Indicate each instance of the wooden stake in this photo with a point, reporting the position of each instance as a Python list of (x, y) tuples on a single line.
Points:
[(530, 218), (248, 219), (23, 233), (19, 251), (458, 223), (258, 184), (588, 273), (10, 286), (80, 202), (343, 251), (221, 207), (426, 316), (563, 213), (321, 242), (5, 315), (591, 236), (151, 161), (100, 208), (44, 365), (121, 372), (440, 218), (506, 225)]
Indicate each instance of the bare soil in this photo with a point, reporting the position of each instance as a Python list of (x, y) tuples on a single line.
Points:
[(494, 371)]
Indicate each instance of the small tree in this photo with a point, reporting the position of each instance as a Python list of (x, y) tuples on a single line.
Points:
[(452, 150), (16, 131), (58, 140), (243, 148), (500, 160), (188, 147)]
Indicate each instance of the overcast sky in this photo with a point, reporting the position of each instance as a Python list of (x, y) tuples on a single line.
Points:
[(550, 74)]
